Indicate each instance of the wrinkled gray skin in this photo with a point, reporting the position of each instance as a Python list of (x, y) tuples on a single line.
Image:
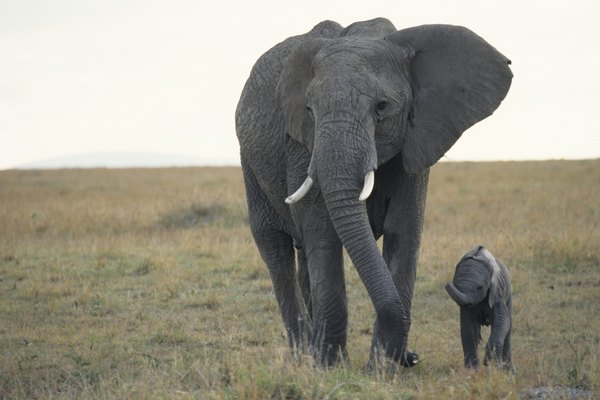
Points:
[(481, 287), (333, 104)]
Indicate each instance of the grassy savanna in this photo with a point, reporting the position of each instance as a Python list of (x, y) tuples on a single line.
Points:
[(146, 283)]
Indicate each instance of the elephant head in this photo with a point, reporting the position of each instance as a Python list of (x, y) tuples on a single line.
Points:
[(477, 275), (371, 94)]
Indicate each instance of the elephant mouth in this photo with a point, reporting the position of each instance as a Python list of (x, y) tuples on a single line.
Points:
[(308, 182)]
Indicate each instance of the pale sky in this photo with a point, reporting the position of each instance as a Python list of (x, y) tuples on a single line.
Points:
[(87, 76)]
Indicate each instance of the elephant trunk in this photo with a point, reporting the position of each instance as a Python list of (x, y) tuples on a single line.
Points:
[(459, 297), (343, 156)]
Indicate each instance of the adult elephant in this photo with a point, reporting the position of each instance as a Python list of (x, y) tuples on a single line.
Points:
[(337, 130)]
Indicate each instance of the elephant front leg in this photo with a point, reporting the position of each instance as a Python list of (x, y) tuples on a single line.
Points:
[(304, 279), (495, 349), (506, 354), (277, 251), (328, 298), (470, 335), (402, 231)]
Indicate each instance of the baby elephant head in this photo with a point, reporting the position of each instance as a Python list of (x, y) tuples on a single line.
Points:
[(477, 276)]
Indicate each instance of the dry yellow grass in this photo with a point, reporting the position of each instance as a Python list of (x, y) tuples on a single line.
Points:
[(146, 284)]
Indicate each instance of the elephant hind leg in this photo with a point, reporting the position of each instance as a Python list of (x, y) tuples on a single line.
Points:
[(506, 354), (304, 280), (277, 251), (506, 350)]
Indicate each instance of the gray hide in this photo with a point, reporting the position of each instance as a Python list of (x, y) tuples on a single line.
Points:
[(324, 110)]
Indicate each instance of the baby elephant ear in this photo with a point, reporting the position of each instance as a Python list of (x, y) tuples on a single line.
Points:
[(498, 284), (457, 78)]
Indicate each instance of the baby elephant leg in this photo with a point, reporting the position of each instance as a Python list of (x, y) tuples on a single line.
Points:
[(470, 334), (495, 348), (506, 351), (506, 354)]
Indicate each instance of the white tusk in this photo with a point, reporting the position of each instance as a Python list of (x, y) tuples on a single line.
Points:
[(368, 187), (301, 192)]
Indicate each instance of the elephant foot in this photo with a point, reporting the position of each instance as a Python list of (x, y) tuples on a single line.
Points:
[(471, 362), (509, 367), (506, 365), (409, 360), (331, 356)]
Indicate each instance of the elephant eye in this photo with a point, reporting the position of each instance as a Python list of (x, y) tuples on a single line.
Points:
[(380, 108), (310, 112)]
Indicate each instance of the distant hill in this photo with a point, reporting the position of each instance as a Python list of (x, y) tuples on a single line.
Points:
[(124, 160)]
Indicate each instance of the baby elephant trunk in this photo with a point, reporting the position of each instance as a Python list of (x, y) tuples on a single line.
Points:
[(459, 297)]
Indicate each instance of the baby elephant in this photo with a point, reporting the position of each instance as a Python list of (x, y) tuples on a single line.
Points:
[(482, 289)]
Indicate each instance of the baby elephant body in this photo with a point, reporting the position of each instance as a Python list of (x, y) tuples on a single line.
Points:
[(481, 287)]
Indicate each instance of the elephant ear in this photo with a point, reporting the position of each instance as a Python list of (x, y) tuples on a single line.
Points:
[(295, 77), (458, 79), (498, 284)]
